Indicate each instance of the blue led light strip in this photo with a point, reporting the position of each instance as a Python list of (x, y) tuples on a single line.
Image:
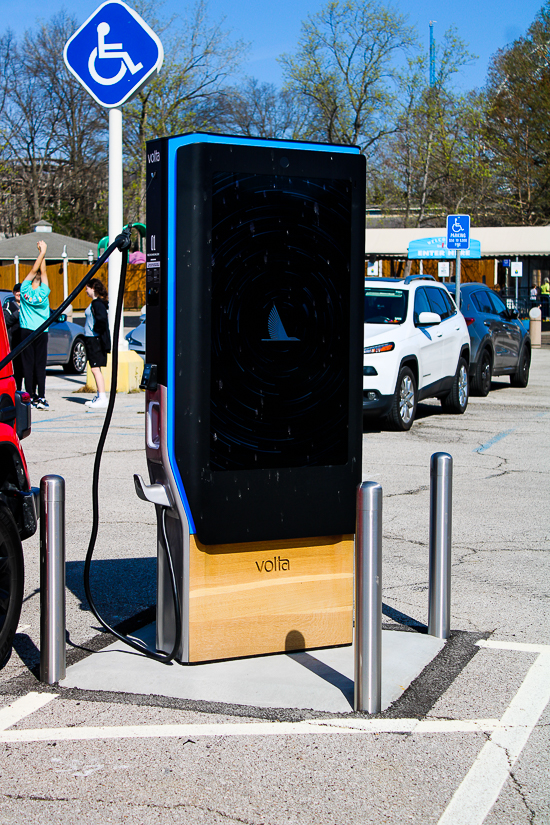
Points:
[(173, 146)]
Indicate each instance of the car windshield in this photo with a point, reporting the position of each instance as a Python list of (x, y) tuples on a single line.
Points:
[(385, 306)]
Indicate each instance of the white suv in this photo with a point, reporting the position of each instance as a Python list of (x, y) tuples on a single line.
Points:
[(416, 346)]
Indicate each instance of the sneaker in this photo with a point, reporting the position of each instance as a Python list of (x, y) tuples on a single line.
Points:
[(97, 404), (42, 404), (34, 400), (89, 403)]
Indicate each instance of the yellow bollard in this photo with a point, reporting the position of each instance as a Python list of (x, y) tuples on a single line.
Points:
[(130, 370)]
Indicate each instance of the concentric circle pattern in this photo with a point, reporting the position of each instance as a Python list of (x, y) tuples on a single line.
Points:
[(280, 321)]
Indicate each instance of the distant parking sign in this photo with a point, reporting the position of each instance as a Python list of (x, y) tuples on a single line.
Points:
[(113, 54), (458, 231)]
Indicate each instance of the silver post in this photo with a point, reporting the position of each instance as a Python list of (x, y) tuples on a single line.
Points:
[(441, 497), (52, 579), (368, 599)]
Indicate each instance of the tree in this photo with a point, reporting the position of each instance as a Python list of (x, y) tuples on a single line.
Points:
[(516, 129), (262, 110), (434, 158), (53, 136), (344, 71), (189, 92)]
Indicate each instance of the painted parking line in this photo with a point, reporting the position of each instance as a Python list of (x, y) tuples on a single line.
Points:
[(307, 728), (493, 440), (18, 710), (471, 802), (481, 787), (521, 647)]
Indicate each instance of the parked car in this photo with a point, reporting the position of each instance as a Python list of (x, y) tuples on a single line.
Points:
[(17, 499), (66, 346), (416, 346), (136, 337), (500, 344)]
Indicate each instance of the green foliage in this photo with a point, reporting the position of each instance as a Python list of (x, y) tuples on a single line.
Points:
[(356, 77), (344, 71), (188, 94), (431, 162), (517, 99)]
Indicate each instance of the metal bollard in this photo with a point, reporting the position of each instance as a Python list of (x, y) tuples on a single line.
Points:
[(368, 599), (441, 497), (52, 579)]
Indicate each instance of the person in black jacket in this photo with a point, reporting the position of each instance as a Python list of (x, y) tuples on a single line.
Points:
[(11, 316), (97, 339)]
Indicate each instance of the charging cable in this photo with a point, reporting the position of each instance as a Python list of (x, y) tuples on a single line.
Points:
[(121, 242), (136, 645)]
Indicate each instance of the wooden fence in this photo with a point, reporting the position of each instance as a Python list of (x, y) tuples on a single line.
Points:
[(481, 270), (134, 292)]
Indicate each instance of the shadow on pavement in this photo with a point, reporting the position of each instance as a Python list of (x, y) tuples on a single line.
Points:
[(120, 587), (402, 618), (27, 652), (294, 641), (76, 400)]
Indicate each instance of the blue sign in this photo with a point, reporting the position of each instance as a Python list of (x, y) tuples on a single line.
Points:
[(425, 248), (458, 231), (113, 54)]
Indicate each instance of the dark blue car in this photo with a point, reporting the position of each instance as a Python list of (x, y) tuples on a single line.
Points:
[(500, 344)]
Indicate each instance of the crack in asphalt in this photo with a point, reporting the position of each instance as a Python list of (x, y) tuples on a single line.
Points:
[(231, 817), (421, 489), (36, 798), (129, 802), (515, 781), (511, 472), (393, 537), (521, 795)]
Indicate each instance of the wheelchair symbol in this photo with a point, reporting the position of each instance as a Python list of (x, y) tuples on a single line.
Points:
[(457, 227), (111, 51)]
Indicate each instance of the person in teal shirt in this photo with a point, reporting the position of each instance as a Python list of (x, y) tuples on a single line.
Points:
[(34, 310)]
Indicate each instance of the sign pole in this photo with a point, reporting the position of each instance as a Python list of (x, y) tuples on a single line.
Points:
[(115, 211), (457, 279)]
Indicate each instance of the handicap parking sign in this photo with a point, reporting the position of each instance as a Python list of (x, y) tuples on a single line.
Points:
[(458, 231), (113, 54)]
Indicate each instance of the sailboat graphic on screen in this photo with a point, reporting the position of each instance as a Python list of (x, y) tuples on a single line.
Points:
[(276, 329)]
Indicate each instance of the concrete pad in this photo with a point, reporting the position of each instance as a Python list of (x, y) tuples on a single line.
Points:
[(319, 680)]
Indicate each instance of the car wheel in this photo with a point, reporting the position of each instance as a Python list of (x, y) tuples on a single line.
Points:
[(481, 379), (521, 377), (76, 364), (457, 400), (11, 582), (403, 408)]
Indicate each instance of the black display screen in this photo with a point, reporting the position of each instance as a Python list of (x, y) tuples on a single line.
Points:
[(280, 317)]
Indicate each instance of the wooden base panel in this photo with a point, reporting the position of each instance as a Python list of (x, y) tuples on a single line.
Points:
[(269, 597)]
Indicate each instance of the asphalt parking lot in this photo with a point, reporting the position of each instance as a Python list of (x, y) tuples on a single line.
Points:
[(468, 742)]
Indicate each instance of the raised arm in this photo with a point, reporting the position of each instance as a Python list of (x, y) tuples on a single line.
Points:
[(43, 270), (40, 264)]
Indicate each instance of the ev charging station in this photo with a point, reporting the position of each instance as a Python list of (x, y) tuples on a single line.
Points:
[(255, 270)]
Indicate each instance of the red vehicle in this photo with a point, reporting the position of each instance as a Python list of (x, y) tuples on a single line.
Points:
[(18, 517)]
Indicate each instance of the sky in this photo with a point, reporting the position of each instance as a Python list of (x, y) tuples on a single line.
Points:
[(272, 27)]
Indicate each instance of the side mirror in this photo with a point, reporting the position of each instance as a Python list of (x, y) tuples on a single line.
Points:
[(512, 314), (428, 319)]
